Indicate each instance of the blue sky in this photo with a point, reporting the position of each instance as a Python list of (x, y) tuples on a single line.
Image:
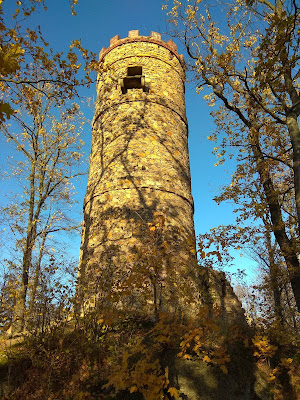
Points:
[(96, 22)]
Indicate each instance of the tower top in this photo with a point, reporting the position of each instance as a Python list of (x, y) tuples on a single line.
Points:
[(134, 36)]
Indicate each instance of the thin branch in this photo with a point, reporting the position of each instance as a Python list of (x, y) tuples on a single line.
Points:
[(257, 100), (268, 4), (277, 159), (20, 146)]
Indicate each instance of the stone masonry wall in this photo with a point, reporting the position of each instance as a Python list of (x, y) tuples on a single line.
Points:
[(139, 187)]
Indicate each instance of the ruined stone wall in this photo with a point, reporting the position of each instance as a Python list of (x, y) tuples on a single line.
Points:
[(139, 188)]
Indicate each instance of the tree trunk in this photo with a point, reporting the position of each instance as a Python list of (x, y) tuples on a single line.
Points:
[(286, 245), (20, 307), (273, 273), (36, 276), (294, 132)]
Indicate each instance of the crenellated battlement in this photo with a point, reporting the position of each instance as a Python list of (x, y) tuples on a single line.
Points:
[(134, 36)]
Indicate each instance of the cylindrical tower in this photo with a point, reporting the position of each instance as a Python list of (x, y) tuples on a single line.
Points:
[(138, 209)]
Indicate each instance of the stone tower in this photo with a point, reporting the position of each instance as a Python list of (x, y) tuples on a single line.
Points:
[(138, 209)]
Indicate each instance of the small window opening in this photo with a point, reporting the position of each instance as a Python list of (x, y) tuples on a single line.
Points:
[(134, 80)]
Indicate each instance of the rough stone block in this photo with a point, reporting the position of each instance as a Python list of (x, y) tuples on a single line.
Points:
[(133, 34), (114, 40), (156, 35), (172, 45), (102, 52)]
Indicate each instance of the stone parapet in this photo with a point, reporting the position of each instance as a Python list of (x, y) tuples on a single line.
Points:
[(133, 36)]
